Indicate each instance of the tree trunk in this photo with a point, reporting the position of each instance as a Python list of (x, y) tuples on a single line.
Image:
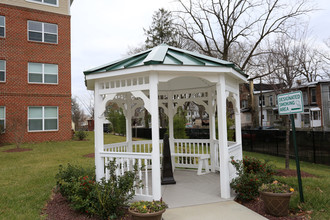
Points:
[(287, 142)]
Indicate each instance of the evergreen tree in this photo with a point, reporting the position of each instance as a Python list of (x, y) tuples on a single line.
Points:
[(162, 30)]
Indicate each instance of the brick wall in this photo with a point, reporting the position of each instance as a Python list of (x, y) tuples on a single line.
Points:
[(16, 93)]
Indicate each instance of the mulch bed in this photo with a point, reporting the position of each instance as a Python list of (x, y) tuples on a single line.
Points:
[(258, 207), (17, 150), (89, 155), (58, 208), (285, 172)]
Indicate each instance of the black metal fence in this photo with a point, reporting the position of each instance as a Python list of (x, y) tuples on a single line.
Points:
[(313, 146)]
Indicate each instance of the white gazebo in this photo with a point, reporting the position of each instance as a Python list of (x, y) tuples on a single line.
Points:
[(167, 77)]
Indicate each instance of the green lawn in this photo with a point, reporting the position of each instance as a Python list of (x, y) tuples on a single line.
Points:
[(316, 190), (27, 178)]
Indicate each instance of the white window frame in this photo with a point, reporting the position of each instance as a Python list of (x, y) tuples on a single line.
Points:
[(313, 89), (270, 99), (44, 3), (42, 118), (43, 74), (4, 27), (4, 80), (262, 100), (42, 32), (245, 103), (4, 119)]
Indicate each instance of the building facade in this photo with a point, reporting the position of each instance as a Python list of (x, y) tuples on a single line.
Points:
[(35, 70), (316, 98)]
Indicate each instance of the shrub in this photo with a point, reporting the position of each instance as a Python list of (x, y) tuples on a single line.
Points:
[(81, 135), (252, 173), (106, 198), (67, 177), (113, 195)]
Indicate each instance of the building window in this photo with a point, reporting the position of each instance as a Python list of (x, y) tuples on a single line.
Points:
[(42, 32), (244, 103), (2, 119), (271, 100), (42, 73), (315, 115), (305, 98), (2, 71), (43, 118), (313, 95), (48, 2), (2, 26), (262, 100)]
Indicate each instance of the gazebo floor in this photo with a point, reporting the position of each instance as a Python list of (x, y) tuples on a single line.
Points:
[(191, 189)]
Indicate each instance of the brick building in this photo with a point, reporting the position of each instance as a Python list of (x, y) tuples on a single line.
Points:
[(35, 70)]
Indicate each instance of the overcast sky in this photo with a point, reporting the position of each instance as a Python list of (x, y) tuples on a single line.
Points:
[(102, 31)]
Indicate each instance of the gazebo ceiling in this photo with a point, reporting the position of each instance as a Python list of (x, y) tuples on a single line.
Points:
[(167, 59)]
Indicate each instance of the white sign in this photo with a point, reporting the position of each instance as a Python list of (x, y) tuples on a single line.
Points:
[(290, 103)]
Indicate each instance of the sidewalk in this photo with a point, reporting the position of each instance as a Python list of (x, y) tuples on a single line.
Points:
[(227, 210)]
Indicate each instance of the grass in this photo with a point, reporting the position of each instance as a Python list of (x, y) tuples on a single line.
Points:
[(27, 178), (316, 189)]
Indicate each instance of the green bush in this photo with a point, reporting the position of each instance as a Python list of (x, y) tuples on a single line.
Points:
[(179, 124), (117, 118), (81, 135), (106, 198), (68, 177), (252, 173)]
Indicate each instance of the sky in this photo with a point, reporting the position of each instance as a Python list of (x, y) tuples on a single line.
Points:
[(103, 30)]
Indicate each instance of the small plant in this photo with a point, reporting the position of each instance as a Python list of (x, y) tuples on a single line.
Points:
[(252, 173), (276, 187), (81, 135), (148, 207)]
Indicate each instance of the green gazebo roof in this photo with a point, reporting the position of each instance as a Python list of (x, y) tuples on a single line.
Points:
[(163, 55)]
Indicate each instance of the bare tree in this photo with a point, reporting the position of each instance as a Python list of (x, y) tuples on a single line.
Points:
[(283, 67), (16, 126), (223, 27), (77, 113)]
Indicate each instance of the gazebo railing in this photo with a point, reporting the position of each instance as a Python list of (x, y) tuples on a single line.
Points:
[(125, 161), (188, 151), (234, 150), (137, 147)]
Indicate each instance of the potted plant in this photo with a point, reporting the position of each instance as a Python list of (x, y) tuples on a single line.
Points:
[(147, 210), (276, 197)]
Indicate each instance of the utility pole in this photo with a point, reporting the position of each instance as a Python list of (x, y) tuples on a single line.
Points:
[(261, 99)]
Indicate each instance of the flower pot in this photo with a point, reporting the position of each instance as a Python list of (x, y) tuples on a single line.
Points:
[(276, 204), (147, 216)]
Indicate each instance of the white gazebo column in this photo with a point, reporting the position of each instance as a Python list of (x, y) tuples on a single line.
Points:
[(238, 129), (129, 122), (170, 108), (98, 132), (223, 142), (211, 128), (153, 91)]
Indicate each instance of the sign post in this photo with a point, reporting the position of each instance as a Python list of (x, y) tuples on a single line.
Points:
[(289, 104)]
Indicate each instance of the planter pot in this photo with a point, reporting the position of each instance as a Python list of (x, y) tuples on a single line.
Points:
[(276, 204), (147, 216)]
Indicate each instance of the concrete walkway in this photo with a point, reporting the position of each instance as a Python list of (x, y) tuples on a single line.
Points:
[(227, 210)]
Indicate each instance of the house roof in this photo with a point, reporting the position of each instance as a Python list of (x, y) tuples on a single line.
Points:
[(164, 55), (267, 87)]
